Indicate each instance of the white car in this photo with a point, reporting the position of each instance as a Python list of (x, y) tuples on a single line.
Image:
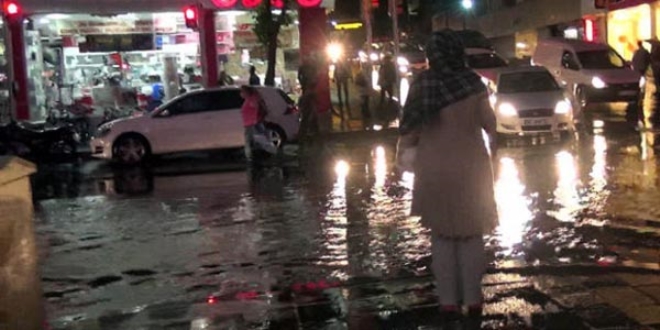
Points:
[(528, 100), (200, 120)]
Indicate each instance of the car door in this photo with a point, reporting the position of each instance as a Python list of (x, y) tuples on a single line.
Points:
[(569, 72), (184, 125), (228, 131)]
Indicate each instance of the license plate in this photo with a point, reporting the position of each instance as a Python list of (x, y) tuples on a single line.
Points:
[(535, 122), (627, 93)]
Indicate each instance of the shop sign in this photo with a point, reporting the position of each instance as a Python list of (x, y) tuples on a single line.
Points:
[(117, 43), (620, 4), (251, 4), (117, 27)]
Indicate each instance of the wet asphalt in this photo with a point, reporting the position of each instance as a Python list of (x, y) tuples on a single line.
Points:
[(202, 242)]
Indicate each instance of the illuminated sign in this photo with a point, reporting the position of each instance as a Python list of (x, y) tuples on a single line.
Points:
[(348, 26)]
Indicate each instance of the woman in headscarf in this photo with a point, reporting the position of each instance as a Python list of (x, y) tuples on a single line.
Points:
[(445, 114)]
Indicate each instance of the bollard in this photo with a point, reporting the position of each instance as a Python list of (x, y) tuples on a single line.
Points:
[(20, 286)]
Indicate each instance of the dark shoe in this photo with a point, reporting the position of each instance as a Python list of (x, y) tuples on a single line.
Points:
[(450, 317), (474, 318)]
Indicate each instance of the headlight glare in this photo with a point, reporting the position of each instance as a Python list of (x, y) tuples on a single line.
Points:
[(563, 107), (598, 83), (507, 110)]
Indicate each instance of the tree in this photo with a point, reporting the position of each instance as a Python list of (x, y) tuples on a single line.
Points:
[(267, 27)]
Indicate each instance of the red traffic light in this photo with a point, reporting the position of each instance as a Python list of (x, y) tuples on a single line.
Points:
[(190, 15), (11, 8)]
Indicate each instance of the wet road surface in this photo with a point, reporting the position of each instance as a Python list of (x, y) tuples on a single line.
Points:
[(200, 243)]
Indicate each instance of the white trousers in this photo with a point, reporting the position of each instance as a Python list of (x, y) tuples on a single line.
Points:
[(458, 266)]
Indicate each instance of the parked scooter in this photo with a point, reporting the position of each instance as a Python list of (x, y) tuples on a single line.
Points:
[(24, 140)]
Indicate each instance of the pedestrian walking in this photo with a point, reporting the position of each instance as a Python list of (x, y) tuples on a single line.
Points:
[(364, 89), (387, 78), (254, 78), (443, 119), (641, 59), (253, 114), (342, 76), (641, 62)]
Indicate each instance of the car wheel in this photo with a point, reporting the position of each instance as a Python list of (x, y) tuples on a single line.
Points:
[(581, 97), (131, 149), (277, 136)]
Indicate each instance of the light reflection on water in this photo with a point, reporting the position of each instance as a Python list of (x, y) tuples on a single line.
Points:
[(513, 205), (334, 227), (566, 195)]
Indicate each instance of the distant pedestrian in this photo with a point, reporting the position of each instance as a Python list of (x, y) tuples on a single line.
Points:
[(641, 59), (387, 78), (254, 78), (364, 89), (342, 76), (253, 115), (443, 119)]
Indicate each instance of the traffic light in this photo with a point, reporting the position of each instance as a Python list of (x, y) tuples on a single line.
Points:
[(191, 15), (11, 10)]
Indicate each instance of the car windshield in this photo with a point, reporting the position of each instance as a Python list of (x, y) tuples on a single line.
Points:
[(601, 59), (526, 82), (485, 61)]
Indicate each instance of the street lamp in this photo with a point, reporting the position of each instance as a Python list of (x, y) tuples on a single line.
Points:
[(467, 5)]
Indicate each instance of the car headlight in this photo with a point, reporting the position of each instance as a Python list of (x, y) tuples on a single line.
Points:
[(598, 83), (104, 129), (507, 110), (563, 107), (402, 61), (374, 57)]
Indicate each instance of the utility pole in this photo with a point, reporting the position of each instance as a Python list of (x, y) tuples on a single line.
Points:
[(395, 38)]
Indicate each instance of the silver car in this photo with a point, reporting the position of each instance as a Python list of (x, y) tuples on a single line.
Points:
[(528, 100)]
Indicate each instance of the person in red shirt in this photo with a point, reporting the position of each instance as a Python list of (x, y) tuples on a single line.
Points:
[(253, 115)]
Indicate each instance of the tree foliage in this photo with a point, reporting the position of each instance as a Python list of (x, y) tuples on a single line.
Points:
[(267, 27)]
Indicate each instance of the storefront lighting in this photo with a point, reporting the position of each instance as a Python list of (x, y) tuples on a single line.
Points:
[(348, 26), (57, 16), (521, 45), (225, 3)]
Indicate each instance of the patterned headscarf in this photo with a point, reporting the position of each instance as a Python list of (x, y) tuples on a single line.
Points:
[(447, 81)]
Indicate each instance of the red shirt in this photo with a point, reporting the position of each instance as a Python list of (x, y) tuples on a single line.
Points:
[(250, 111)]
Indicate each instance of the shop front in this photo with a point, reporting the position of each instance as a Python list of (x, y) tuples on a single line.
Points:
[(630, 21), (122, 59)]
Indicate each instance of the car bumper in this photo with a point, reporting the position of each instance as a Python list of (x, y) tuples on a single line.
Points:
[(532, 126), (626, 93), (101, 148)]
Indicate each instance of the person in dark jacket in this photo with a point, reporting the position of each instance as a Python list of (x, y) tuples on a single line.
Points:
[(254, 79)]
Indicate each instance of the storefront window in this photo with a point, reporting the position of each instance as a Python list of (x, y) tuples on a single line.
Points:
[(627, 26)]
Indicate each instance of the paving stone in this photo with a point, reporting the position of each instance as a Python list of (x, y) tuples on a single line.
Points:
[(653, 291), (502, 278), (549, 282), (604, 316), (646, 315), (568, 298), (603, 281), (640, 280), (623, 297)]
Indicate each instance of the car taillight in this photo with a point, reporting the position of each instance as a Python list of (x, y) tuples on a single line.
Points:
[(291, 110)]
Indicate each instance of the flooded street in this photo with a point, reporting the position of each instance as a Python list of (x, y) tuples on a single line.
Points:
[(203, 244)]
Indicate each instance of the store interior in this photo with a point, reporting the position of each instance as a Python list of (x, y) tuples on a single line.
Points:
[(627, 26), (115, 61)]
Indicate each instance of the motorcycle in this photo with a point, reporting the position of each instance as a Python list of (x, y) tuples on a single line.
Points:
[(35, 143)]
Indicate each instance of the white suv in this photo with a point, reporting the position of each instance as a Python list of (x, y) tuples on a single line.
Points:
[(200, 120)]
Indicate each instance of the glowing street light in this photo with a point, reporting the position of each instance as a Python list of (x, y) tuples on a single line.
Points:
[(468, 4)]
